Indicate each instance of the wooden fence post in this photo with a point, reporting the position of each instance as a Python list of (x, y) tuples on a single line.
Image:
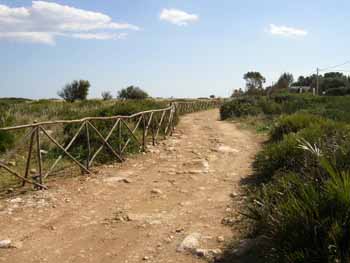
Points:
[(143, 133), (120, 139), (88, 145), (38, 146), (29, 157)]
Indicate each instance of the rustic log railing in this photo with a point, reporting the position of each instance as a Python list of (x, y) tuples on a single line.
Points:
[(155, 122)]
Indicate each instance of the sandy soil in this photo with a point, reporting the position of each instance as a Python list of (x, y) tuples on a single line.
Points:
[(143, 209)]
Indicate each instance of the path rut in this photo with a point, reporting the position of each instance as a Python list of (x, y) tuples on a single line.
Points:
[(140, 210)]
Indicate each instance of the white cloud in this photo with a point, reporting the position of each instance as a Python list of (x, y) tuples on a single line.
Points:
[(178, 17), (31, 37), (44, 21), (287, 31), (100, 36)]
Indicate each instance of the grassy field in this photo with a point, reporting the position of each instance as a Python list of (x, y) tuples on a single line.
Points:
[(300, 199)]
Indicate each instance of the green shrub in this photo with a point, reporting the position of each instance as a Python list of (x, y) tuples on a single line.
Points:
[(293, 103), (77, 90), (301, 204), (341, 91), (240, 107), (277, 157), (269, 107), (130, 107), (6, 138), (285, 155), (124, 108), (6, 141), (304, 220), (293, 123), (80, 147), (106, 95), (132, 93)]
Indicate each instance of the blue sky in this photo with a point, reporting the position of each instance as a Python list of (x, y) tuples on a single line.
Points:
[(180, 48)]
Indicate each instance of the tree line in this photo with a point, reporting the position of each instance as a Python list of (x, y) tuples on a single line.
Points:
[(331, 83), (79, 90)]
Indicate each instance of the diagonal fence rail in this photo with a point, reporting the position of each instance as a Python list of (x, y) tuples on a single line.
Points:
[(113, 134)]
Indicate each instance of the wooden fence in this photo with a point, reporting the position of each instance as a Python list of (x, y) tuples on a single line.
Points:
[(137, 128)]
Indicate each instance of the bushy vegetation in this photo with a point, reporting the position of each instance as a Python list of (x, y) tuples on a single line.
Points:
[(132, 93), (77, 90), (17, 112), (305, 220), (25, 112), (6, 138), (285, 155), (124, 108), (128, 107), (240, 107), (42, 110), (332, 107), (331, 83), (106, 95), (293, 123), (300, 202)]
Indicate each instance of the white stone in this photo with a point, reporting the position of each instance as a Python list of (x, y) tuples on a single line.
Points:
[(190, 243), (226, 149), (220, 239), (16, 200), (6, 243), (114, 179)]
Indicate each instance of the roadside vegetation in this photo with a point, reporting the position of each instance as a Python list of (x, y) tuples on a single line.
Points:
[(75, 105), (77, 90), (299, 201), (131, 100), (17, 112), (132, 93)]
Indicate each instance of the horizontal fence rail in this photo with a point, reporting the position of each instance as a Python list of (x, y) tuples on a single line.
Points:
[(87, 138)]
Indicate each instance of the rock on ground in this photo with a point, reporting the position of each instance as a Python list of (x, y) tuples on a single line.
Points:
[(190, 243)]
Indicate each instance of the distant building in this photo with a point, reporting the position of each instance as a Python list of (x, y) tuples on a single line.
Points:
[(300, 89)]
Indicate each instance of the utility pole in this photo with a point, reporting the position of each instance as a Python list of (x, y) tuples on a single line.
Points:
[(317, 81)]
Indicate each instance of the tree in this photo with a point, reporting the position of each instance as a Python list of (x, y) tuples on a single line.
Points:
[(237, 93), (309, 81), (334, 80), (327, 82), (285, 80), (77, 90), (106, 95), (212, 96), (254, 81), (132, 93)]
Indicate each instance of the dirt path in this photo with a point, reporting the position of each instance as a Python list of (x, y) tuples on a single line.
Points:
[(141, 210)]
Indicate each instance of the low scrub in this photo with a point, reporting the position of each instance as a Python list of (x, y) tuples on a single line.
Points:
[(239, 108), (129, 107), (303, 219), (332, 107), (300, 203), (292, 124), (285, 155), (124, 108), (6, 138)]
